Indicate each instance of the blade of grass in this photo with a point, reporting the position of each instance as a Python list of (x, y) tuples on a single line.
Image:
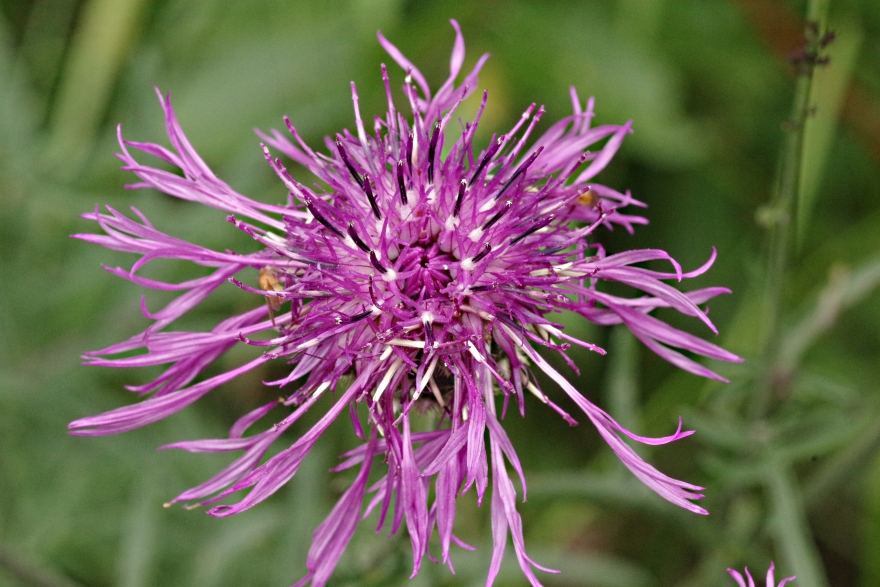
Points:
[(622, 384), (789, 527), (98, 50), (139, 544)]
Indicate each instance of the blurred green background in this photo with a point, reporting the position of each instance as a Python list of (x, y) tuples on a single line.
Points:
[(709, 87)]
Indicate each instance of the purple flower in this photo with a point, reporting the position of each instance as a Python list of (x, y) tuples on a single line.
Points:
[(771, 582), (417, 275)]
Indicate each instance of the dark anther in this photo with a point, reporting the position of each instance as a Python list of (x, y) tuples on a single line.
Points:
[(375, 261), (479, 288), (409, 150), (519, 171), (486, 250), (368, 190), (429, 334), (538, 226), (462, 187), (321, 219), (498, 215), (431, 150), (357, 240), (348, 164), (554, 250), (401, 184), (373, 293), (487, 157), (356, 317)]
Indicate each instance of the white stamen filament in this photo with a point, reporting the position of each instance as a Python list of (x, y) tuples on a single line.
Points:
[(557, 269), (538, 394), (415, 150), (481, 313), (549, 209), (542, 334), (416, 344), (349, 242), (307, 344), (513, 335), (321, 389), (275, 238), (436, 391), (429, 372), (387, 378), (476, 354), (546, 331), (385, 354)]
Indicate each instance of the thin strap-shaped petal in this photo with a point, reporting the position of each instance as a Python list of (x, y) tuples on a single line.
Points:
[(405, 64), (335, 532)]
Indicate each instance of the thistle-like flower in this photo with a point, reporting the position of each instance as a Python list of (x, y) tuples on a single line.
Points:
[(418, 275), (771, 582)]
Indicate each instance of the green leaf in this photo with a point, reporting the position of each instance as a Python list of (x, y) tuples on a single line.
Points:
[(791, 532)]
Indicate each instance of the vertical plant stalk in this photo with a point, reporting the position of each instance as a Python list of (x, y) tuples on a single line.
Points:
[(98, 51), (783, 208), (828, 96), (790, 530)]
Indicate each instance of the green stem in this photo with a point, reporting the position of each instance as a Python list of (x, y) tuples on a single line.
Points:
[(791, 532), (97, 54), (782, 210)]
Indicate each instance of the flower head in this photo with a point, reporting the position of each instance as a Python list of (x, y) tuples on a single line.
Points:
[(771, 582), (419, 274)]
